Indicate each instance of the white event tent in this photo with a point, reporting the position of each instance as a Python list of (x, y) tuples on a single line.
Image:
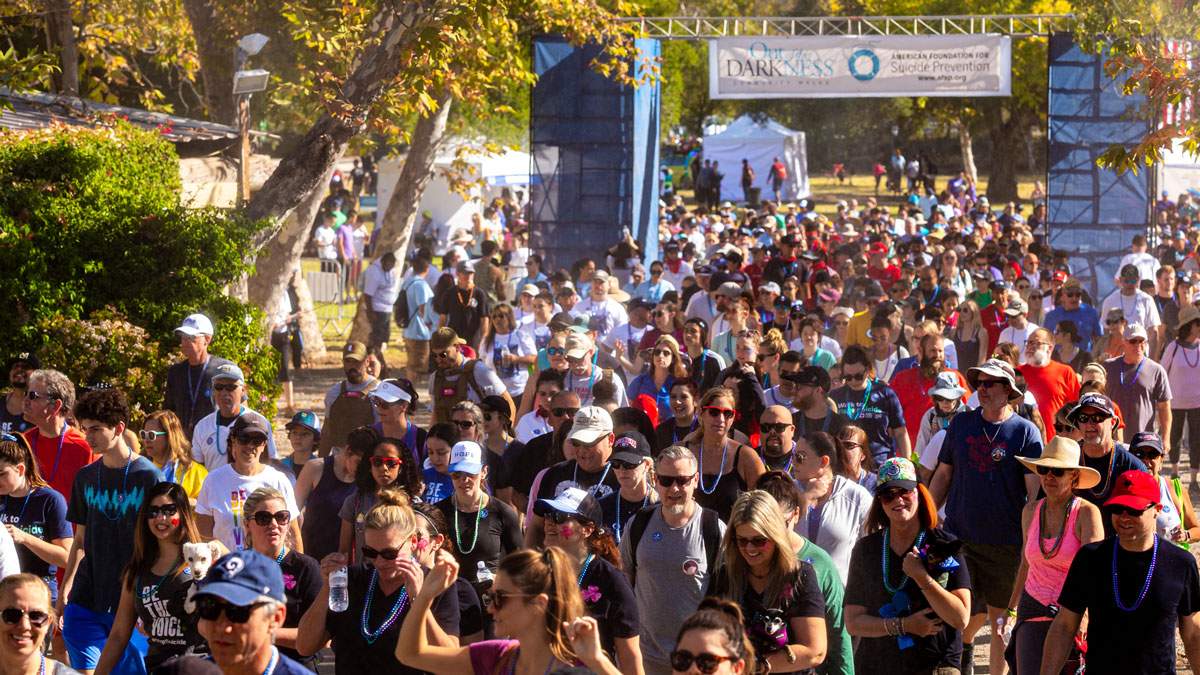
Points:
[(761, 143)]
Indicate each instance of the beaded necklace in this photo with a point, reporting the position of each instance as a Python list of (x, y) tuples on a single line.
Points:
[(617, 524), (279, 558), (474, 535), (587, 562), (397, 608), (1145, 586), (1062, 534), (887, 573), (720, 469), (1112, 460)]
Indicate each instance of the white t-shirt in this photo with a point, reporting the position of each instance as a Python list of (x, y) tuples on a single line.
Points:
[(517, 343), (582, 386), (1018, 336), (531, 425), (1147, 264), (1140, 308), (9, 563), (701, 306), (603, 316), (383, 287), (676, 278), (223, 496), (326, 240), (210, 440), (1183, 374), (840, 521)]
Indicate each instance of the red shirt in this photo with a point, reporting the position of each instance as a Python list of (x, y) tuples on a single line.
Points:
[(886, 276), (59, 468), (1052, 386), (913, 391), (994, 322)]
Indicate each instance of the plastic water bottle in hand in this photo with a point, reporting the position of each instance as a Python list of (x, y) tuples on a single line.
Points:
[(483, 575), (1004, 626), (339, 593)]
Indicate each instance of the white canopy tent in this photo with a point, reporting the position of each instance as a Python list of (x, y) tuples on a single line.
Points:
[(760, 143), (508, 169)]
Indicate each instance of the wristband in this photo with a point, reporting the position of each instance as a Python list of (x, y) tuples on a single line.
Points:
[(1011, 612)]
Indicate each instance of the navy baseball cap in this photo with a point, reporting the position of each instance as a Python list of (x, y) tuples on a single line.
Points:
[(243, 578)]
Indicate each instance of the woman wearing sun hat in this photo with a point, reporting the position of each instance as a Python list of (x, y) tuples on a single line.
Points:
[(1055, 528), (909, 619)]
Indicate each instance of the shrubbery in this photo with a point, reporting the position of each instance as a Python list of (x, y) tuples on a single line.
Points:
[(93, 241)]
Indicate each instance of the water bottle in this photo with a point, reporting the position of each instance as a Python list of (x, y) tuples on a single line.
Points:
[(1004, 626), (483, 575), (339, 595)]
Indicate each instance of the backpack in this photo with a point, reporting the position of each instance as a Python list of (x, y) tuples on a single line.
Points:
[(710, 533), (349, 411), (446, 395), (400, 310)]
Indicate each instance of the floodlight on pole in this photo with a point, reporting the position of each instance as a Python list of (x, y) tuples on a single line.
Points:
[(253, 43), (250, 81)]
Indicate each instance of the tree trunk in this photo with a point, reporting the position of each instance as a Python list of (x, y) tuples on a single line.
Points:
[(60, 28), (308, 166), (215, 50), (278, 261), (967, 146), (396, 228), (1006, 144)]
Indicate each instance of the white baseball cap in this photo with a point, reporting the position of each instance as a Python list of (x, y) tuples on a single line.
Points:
[(466, 457), (390, 392), (591, 424), (196, 324)]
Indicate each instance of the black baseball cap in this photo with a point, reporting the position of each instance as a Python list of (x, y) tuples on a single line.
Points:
[(630, 447)]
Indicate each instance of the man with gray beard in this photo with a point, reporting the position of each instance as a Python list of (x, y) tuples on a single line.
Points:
[(669, 553), (1051, 383)]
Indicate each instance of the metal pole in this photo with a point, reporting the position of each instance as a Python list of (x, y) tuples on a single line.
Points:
[(243, 172)]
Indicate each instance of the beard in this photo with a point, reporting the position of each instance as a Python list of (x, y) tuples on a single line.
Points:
[(931, 367), (676, 509), (355, 376), (1039, 358)]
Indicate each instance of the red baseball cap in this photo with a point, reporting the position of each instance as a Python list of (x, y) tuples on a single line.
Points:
[(1135, 489), (878, 248), (1060, 276)]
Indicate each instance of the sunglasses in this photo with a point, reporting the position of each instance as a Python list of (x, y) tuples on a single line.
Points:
[(716, 412), (1126, 511), (165, 511), (264, 518), (555, 351), (764, 357), (1147, 454), (387, 462), (442, 355), (251, 439), (35, 396), (756, 542), (659, 313), (224, 387), (564, 412), (623, 466), (1113, 322), (12, 616), (774, 427), (496, 599), (1052, 471), (560, 517), (670, 481), (210, 609), (985, 384), (464, 424), (854, 377), (385, 553), (380, 403), (893, 494), (1084, 418), (663, 352), (147, 435), (682, 660)]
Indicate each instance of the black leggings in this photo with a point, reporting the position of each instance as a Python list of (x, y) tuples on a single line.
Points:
[(1191, 418)]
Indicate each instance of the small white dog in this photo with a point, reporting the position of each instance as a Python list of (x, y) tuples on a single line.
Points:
[(199, 557)]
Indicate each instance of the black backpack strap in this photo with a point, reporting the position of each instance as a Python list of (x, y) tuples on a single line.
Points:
[(710, 533), (636, 529)]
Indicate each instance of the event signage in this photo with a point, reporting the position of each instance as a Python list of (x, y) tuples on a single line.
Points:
[(871, 66)]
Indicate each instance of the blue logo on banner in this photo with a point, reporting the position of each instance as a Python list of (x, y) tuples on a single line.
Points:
[(864, 65)]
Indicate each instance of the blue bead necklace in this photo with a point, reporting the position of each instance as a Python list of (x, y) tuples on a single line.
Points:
[(1145, 586), (397, 608), (587, 562)]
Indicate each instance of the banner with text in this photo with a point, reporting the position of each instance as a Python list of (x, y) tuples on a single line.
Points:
[(848, 67)]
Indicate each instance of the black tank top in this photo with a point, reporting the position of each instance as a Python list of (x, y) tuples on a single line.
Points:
[(171, 631), (322, 525), (720, 495)]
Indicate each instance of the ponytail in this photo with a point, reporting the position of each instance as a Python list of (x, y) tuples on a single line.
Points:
[(724, 616), (552, 574)]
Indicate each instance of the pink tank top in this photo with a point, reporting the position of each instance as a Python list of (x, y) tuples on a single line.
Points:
[(1046, 577)]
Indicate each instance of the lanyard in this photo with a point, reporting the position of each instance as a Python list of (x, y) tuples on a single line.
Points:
[(194, 392), (410, 439), (861, 408), (57, 455), (814, 522), (1133, 380)]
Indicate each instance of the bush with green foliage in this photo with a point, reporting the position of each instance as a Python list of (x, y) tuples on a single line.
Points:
[(90, 221)]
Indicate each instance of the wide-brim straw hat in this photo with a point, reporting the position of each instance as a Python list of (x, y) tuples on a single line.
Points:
[(1063, 453)]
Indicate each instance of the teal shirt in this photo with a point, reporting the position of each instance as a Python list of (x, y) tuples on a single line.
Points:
[(839, 659)]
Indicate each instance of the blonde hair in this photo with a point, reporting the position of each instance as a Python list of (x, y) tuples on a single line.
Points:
[(774, 341), (759, 510), (178, 446), (250, 507), (393, 509)]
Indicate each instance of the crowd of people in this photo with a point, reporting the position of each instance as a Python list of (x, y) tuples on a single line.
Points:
[(795, 443)]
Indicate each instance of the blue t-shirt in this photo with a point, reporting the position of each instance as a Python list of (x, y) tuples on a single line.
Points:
[(42, 514), (417, 292), (988, 492), (877, 410), (438, 486), (1086, 319), (106, 501)]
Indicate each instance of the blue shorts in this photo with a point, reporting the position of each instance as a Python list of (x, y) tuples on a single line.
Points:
[(85, 632)]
